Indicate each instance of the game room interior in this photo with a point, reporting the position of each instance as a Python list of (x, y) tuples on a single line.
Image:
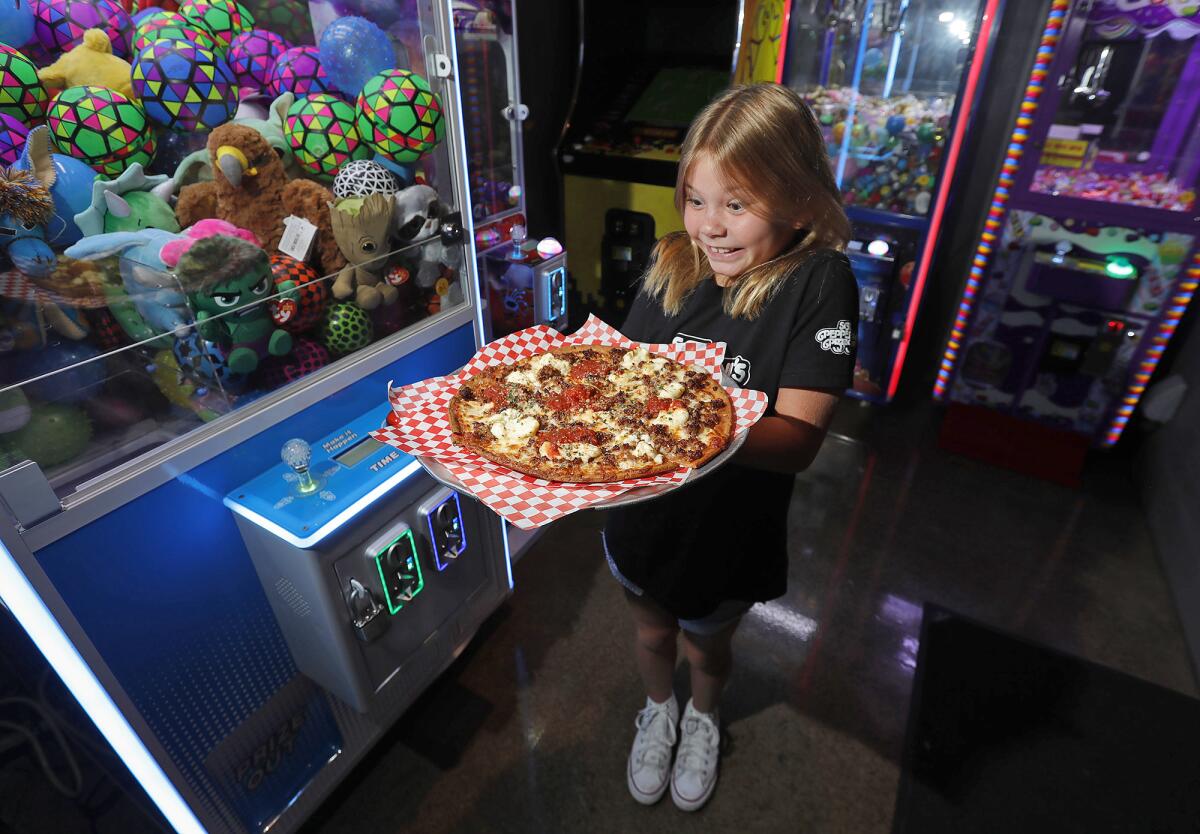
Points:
[(255, 583)]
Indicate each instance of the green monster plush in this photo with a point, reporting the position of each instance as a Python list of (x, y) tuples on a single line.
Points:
[(228, 280)]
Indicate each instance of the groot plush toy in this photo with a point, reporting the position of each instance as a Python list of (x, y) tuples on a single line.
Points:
[(363, 236)]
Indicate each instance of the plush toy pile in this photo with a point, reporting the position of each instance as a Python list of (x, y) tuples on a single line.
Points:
[(204, 193)]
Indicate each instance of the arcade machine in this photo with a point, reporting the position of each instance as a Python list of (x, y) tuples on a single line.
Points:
[(1087, 257), (892, 83), (648, 66), (241, 589), (524, 281)]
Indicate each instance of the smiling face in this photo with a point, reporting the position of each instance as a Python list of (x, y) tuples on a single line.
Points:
[(719, 219)]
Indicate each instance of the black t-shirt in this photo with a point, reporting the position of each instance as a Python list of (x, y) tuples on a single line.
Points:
[(725, 537)]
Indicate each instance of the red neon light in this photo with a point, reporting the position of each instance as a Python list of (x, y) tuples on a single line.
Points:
[(960, 130), (783, 36)]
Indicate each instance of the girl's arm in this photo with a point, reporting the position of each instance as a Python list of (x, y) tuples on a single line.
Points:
[(788, 440)]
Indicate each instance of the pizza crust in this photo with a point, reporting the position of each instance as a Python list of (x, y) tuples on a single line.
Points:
[(517, 415)]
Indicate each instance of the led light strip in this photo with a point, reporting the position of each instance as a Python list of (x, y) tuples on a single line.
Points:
[(996, 213), (22, 599), (1158, 343)]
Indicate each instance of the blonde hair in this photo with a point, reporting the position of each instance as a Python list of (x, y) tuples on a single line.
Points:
[(767, 143)]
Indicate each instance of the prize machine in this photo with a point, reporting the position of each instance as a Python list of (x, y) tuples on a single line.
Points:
[(215, 255), (892, 83), (524, 281), (648, 66), (1087, 257)]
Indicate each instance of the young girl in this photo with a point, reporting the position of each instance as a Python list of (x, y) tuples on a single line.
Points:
[(759, 268)]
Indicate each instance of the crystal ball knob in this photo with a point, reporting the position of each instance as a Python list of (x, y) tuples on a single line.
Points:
[(296, 453)]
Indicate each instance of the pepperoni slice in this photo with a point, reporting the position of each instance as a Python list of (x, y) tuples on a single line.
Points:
[(571, 397), (497, 395), (588, 367), (657, 404)]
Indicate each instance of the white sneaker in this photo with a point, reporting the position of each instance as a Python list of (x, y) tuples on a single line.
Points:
[(650, 759), (695, 773)]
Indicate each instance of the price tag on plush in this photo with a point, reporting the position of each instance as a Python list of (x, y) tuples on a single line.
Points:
[(421, 426)]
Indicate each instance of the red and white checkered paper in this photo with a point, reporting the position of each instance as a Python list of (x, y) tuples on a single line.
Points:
[(523, 500)]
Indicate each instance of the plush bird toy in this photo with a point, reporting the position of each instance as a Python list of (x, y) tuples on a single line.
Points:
[(250, 189), (91, 62)]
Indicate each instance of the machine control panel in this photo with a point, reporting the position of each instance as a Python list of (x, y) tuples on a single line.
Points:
[(395, 557), (444, 522)]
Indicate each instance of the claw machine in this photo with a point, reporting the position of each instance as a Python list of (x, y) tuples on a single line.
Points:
[(892, 83), (199, 322), (1087, 259)]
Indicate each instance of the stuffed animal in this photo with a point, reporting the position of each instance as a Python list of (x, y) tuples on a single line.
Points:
[(250, 189), (197, 167), (364, 237), (128, 203), (91, 62), (173, 250), (25, 208), (227, 278)]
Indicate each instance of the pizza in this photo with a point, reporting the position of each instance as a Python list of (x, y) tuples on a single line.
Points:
[(593, 413)]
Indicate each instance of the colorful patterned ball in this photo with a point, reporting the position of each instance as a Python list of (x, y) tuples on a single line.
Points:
[(210, 360), (12, 139), (98, 126), (301, 313), (114, 165), (306, 357), (290, 19), (183, 87), (298, 70), (251, 55), (224, 18), (364, 177), (399, 116), (321, 131), (22, 95), (347, 328), (174, 26), (60, 24)]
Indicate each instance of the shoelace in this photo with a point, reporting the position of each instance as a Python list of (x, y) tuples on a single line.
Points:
[(656, 750), (698, 732)]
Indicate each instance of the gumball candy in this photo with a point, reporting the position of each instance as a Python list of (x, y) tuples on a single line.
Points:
[(346, 328), (298, 71), (251, 55), (224, 18), (298, 314), (183, 87), (22, 95), (321, 132), (399, 115), (16, 21), (60, 24), (12, 139), (352, 50), (362, 178), (174, 26), (101, 127)]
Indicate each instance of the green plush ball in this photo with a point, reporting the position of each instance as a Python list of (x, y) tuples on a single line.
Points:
[(347, 328), (54, 434)]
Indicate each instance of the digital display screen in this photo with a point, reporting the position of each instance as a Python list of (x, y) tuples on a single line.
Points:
[(622, 253), (357, 453)]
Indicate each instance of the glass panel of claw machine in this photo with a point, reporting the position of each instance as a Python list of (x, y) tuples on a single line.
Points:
[(120, 333), (522, 279), (1126, 129)]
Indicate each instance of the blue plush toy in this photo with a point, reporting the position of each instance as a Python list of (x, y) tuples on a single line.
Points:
[(25, 208), (69, 180), (150, 285)]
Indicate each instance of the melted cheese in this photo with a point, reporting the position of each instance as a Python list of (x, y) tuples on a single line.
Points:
[(521, 378), (476, 410), (579, 451), (514, 431), (671, 390), (547, 359), (634, 358), (676, 418)]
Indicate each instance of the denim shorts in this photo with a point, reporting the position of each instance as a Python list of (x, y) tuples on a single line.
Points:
[(725, 614)]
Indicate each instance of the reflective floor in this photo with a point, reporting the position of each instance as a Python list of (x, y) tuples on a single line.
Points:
[(529, 730)]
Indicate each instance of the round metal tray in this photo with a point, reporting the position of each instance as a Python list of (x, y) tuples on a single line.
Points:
[(634, 496)]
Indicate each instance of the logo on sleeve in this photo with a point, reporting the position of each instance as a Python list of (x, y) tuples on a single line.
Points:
[(680, 338), (836, 339)]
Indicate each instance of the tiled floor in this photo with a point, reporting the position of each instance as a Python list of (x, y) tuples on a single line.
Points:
[(529, 730)]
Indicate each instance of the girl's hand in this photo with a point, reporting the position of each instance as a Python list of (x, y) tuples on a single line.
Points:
[(789, 439)]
